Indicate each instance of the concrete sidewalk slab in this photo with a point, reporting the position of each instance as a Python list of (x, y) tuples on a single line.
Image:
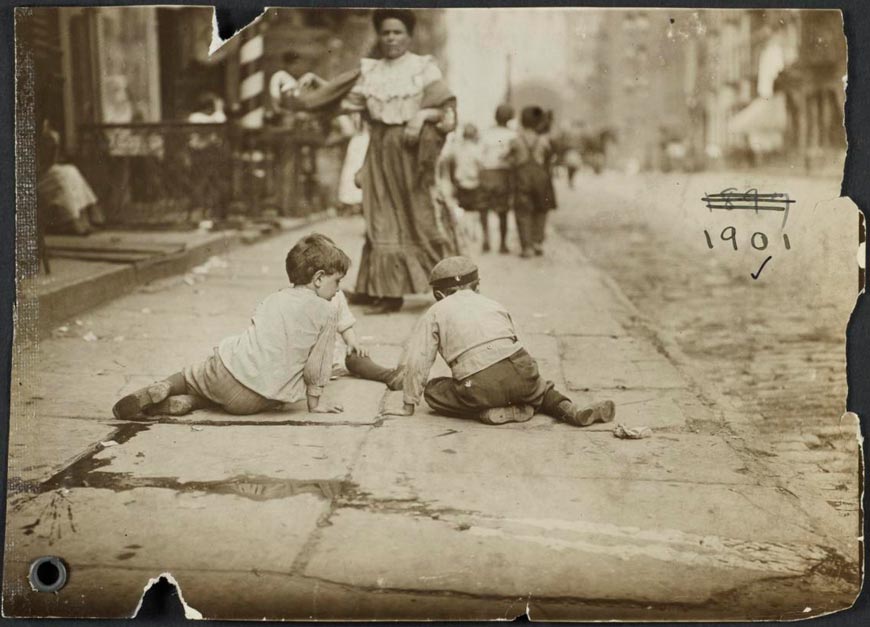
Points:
[(664, 410), (52, 444), (472, 559), (85, 287), (251, 453), (153, 356), (616, 362), (202, 327), (508, 454), (141, 532)]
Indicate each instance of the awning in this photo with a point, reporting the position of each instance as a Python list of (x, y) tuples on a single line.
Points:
[(762, 115)]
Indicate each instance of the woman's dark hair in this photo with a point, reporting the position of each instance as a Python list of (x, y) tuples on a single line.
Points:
[(504, 113), (311, 254), (405, 16)]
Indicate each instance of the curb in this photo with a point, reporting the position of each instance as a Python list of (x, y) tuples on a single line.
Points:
[(58, 305)]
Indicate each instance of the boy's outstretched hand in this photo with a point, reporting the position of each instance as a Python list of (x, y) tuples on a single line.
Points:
[(407, 410), (327, 409), (314, 407)]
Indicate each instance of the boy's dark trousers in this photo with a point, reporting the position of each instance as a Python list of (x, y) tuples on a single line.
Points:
[(531, 226), (511, 381), (531, 221)]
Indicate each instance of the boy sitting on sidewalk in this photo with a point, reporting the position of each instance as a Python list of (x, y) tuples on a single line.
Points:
[(494, 379), (350, 356), (284, 355)]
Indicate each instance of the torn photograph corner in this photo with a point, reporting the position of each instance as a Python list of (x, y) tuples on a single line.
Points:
[(433, 314)]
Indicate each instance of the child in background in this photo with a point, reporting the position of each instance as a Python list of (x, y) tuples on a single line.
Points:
[(462, 161), (498, 151), (535, 195), (285, 355), (494, 379)]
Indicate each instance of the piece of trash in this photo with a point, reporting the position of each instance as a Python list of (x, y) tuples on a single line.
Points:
[(195, 428), (108, 443), (206, 225), (63, 329), (119, 338), (89, 337), (189, 279), (631, 433), (79, 323), (146, 310)]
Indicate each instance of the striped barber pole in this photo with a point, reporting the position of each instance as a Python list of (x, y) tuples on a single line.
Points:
[(252, 77)]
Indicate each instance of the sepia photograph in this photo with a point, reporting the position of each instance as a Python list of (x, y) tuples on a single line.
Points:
[(433, 314)]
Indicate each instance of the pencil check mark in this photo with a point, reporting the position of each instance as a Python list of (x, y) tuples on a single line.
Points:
[(755, 275)]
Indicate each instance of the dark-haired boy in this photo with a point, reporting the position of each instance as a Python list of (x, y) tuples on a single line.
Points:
[(494, 379), (285, 354)]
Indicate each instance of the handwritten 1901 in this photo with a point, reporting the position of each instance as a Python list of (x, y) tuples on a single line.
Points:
[(731, 199)]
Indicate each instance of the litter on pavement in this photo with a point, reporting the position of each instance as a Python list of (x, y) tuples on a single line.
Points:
[(631, 433)]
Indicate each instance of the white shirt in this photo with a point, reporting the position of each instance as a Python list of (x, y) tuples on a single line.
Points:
[(453, 327), (392, 89), (496, 144), (286, 352)]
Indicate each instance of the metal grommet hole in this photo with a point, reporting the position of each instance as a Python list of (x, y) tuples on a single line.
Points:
[(48, 574)]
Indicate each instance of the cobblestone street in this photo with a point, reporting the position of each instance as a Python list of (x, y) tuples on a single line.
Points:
[(771, 349)]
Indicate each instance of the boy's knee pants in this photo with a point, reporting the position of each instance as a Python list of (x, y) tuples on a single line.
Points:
[(511, 381), (212, 381)]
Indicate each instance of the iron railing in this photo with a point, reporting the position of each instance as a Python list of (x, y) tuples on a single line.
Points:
[(178, 173)]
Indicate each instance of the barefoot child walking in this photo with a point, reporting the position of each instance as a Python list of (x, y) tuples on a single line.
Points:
[(285, 355), (494, 379)]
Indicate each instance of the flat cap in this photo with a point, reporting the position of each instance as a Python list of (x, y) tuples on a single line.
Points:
[(453, 272)]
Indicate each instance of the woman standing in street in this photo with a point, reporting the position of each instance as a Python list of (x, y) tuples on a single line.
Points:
[(409, 111)]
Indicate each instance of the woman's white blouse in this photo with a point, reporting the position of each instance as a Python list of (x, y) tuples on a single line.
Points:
[(392, 89)]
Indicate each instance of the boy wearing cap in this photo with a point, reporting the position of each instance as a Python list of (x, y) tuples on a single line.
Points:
[(494, 379)]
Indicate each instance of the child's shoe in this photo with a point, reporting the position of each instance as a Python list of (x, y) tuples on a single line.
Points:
[(503, 415), (178, 405), (598, 412), (140, 400)]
